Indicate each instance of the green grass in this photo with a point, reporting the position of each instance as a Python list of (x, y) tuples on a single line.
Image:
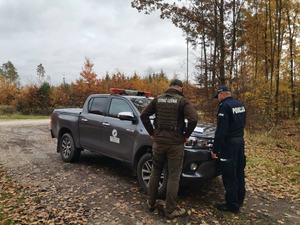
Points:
[(9, 222), (21, 117)]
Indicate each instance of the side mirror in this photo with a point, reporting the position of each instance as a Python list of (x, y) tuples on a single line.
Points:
[(126, 116)]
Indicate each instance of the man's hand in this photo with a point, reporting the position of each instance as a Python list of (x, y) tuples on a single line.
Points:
[(213, 155), (186, 140)]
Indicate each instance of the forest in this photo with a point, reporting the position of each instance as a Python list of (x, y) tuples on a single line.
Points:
[(252, 46)]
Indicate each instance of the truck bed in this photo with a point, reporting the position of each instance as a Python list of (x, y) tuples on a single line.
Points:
[(65, 118), (69, 111)]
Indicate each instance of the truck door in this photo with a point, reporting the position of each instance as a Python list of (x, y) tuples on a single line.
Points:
[(119, 135), (90, 123)]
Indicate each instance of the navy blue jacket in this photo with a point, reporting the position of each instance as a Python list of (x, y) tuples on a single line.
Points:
[(231, 121)]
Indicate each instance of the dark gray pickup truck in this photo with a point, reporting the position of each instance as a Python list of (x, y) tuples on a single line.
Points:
[(109, 124)]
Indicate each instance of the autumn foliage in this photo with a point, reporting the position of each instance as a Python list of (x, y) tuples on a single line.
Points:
[(43, 98)]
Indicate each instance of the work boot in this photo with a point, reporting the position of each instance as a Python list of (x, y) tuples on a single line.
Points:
[(226, 208), (176, 213), (159, 204), (151, 207)]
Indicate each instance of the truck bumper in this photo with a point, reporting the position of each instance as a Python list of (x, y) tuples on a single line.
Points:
[(198, 165)]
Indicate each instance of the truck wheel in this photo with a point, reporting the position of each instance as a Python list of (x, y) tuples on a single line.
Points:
[(68, 151), (144, 169)]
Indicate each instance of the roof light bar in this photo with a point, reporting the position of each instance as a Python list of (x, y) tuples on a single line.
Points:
[(121, 91)]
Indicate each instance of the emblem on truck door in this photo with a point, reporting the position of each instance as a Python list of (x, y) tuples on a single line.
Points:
[(114, 137)]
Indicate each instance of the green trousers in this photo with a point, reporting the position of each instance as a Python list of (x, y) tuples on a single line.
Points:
[(173, 156)]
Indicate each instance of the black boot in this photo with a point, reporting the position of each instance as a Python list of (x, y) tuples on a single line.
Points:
[(225, 208)]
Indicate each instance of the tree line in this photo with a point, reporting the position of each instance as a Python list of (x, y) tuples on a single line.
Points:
[(42, 98), (250, 45)]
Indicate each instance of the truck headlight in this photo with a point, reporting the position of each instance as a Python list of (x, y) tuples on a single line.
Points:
[(193, 166), (196, 142)]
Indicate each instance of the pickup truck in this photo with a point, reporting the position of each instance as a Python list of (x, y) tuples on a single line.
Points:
[(109, 124)]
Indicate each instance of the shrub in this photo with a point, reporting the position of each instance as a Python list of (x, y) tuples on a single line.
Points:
[(7, 109)]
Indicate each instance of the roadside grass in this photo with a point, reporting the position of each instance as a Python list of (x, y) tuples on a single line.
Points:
[(273, 161), (16, 116)]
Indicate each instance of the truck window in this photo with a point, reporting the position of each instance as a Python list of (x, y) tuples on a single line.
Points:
[(117, 106), (97, 105), (140, 103)]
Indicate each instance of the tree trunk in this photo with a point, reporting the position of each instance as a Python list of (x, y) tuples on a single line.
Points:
[(278, 56), (205, 66), (214, 61), (222, 43), (233, 40), (266, 44), (291, 51), (272, 48), (256, 42)]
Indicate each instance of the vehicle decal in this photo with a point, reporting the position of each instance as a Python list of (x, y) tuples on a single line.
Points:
[(199, 129), (114, 137)]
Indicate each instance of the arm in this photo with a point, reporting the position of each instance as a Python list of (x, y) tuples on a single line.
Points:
[(147, 112), (191, 115), (222, 129)]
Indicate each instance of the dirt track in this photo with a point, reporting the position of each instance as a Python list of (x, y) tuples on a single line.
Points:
[(103, 191)]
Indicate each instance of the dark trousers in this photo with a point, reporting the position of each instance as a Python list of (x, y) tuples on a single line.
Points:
[(233, 163), (173, 156)]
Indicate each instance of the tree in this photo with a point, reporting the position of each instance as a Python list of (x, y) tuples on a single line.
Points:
[(87, 84), (8, 92), (216, 25), (40, 71), (87, 73), (292, 14), (9, 72), (252, 45)]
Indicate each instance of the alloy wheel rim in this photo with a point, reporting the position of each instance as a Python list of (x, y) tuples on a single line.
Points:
[(66, 147), (146, 172)]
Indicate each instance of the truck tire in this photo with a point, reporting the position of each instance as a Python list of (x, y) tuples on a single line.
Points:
[(144, 169), (68, 151)]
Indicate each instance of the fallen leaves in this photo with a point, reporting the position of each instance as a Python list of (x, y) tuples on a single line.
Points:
[(273, 163), (27, 205), (96, 191)]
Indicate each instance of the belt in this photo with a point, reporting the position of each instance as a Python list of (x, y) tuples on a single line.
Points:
[(238, 137)]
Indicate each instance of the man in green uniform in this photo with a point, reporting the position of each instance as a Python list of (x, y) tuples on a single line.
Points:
[(169, 134)]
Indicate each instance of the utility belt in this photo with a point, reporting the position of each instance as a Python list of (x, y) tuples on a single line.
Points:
[(235, 137), (238, 138)]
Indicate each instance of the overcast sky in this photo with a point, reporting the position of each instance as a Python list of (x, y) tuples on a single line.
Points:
[(61, 33)]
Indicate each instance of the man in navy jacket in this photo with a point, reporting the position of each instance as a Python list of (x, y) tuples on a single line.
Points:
[(229, 149)]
